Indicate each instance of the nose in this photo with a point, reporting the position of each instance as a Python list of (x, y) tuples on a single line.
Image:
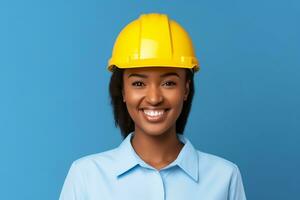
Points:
[(154, 95)]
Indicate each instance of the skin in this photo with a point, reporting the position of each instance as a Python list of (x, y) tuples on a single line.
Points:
[(145, 88)]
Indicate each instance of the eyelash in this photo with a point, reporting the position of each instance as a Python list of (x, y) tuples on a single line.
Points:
[(172, 83), (137, 82)]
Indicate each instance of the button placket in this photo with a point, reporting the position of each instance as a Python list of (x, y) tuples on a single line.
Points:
[(159, 186)]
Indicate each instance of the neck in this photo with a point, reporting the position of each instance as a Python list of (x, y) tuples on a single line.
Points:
[(157, 150)]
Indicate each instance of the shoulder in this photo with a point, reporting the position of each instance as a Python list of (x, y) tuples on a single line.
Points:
[(222, 172), (214, 164), (102, 160)]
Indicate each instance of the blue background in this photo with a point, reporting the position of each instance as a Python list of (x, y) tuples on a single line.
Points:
[(54, 105)]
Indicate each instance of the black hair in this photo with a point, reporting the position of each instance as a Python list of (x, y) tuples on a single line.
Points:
[(121, 115)]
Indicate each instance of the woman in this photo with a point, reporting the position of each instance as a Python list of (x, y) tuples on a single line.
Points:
[(151, 90)]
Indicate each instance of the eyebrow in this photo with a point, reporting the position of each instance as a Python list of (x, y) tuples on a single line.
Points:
[(138, 75), (170, 74), (162, 76)]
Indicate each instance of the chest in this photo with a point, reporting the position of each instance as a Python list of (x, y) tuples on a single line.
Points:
[(156, 186)]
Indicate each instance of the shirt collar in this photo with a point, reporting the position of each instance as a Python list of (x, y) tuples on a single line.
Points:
[(187, 160)]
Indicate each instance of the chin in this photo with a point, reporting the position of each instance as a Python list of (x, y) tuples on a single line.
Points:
[(154, 130)]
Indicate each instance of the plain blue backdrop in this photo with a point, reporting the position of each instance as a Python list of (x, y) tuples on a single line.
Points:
[(54, 105)]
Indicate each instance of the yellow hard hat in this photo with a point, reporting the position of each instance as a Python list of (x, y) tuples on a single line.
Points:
[(153, 40)]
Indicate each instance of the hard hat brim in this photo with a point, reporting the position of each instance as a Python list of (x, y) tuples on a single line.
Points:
[(190, 63)]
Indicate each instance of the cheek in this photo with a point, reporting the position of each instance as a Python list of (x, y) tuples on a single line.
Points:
[(132, 98), (175, 97), (175, 101)]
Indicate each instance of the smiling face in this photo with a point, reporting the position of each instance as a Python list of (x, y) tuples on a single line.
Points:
[(154, 97)]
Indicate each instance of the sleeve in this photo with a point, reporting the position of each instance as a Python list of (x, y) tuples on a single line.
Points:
[(236, 188), (73, 187)]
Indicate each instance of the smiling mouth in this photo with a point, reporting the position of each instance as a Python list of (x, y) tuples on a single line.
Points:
[(154, 115)]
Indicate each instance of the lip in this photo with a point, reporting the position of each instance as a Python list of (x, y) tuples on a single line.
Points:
[(154, 119)]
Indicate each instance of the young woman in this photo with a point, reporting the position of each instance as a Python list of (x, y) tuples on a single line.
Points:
[(151, 89)]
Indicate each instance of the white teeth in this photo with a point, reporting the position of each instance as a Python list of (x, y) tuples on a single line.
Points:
[(154, 113)]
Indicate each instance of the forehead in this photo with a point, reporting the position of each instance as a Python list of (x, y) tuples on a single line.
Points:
[(155, 71)]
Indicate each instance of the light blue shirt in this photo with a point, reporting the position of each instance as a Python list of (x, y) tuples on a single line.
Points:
[(120, 173)]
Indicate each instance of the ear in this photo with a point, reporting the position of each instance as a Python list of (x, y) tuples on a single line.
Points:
[(187, 89), (123, 95)]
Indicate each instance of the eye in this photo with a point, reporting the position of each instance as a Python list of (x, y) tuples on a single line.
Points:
[(170, 83), (138, 83)]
